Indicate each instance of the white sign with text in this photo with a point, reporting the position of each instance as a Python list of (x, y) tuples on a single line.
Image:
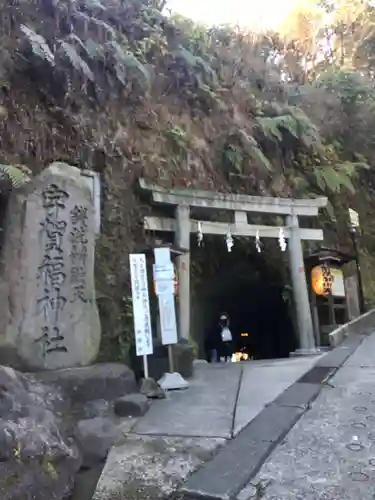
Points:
[(141, 305), (338, 287)]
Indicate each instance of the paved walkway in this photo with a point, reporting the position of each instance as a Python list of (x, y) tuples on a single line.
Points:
[(222, 398), (330, 453), (296, 429), (235, 466), (181, 433)]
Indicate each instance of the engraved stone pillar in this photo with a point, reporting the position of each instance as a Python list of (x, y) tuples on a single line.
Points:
[(48, 262)]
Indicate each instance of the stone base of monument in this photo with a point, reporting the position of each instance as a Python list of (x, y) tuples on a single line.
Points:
[(172, 382), (105, 381), (158, 362), (316, 351)]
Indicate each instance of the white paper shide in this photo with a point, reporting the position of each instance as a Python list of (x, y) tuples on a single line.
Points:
[(141, 305)]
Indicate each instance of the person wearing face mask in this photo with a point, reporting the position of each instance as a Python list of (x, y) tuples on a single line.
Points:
[(218, 341), (225, 349)]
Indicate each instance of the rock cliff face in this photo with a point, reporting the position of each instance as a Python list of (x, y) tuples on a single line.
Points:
[(56, 425), (37, 458)]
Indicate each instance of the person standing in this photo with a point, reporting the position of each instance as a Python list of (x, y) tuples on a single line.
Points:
[(226, 339), (218, 342)]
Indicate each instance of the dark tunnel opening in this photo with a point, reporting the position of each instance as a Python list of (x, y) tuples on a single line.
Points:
[(250, 287), (260, 320)]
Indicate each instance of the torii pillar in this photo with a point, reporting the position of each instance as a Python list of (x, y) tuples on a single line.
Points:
[(300, 290), (182, 240)]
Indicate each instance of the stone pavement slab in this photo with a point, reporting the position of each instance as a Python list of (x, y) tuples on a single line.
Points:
[(272, 424), (221, 478), (206, 409), (335, 358), (330, 453), (262, 382), (151, 468), (366, 357), (298, 395), (222, 399), (231, 468), (340, 354)]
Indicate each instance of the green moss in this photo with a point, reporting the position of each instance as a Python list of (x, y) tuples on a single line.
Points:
[(49, 468), (193, 344)]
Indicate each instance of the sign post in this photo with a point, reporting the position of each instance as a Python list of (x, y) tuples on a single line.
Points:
[(164, 280), (354, 228), (141, 308)]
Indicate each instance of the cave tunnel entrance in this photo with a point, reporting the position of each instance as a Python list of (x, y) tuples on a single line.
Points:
[(251, 288)]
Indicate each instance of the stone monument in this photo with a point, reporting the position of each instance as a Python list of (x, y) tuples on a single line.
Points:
[(48, 267)]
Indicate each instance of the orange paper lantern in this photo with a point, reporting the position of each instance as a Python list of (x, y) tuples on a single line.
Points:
[(321, 280)]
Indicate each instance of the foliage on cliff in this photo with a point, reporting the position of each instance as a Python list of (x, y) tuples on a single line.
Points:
[(118, 87)]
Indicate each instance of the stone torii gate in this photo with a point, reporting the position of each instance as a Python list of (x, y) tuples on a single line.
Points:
[(240, 205)]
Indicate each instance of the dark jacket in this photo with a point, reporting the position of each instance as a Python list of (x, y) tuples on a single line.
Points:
[(213, 339)]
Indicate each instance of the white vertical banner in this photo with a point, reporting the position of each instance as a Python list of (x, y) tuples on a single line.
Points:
[(168, 324), (164, 287), (141, 305), (163, 272)]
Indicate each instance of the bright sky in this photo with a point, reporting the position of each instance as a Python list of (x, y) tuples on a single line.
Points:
[(261, 14)]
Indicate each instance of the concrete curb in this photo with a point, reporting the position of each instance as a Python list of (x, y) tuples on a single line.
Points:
[(240, 460), (356, 326)]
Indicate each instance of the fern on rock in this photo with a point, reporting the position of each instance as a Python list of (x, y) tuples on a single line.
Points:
[(15, 176), (80, 55), (260, 159), (335, 178), (240, 148), (38, 45), (308, 133), (126, 64), (68, 52), (270, 128), (196, 65), (293, 121)]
